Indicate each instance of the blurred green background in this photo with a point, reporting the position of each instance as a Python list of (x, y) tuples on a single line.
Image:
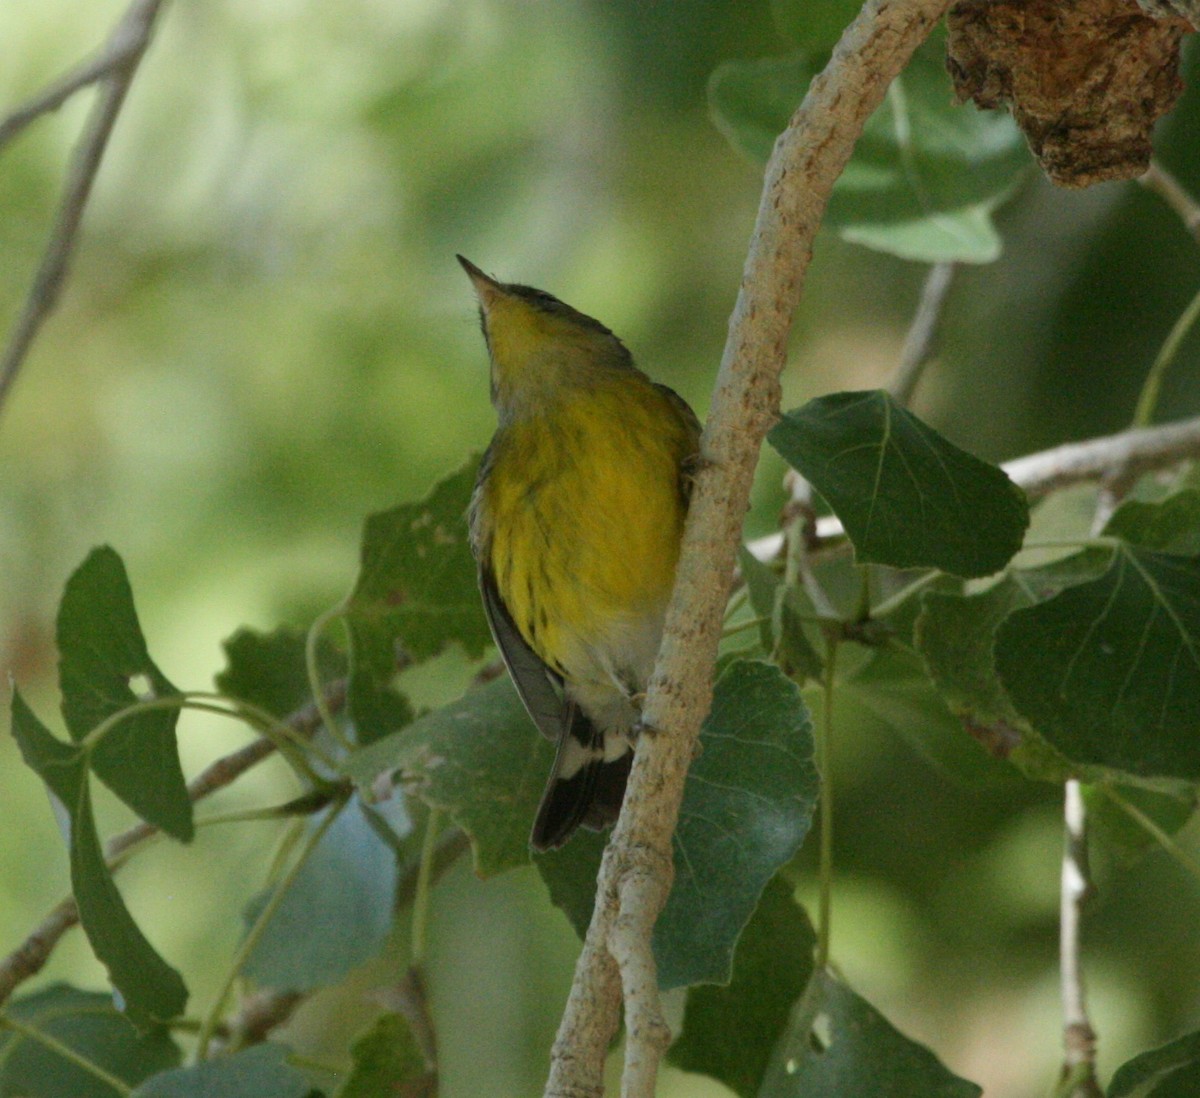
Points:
[(265, 337)]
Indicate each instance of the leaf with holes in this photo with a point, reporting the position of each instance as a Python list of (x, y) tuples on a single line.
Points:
[(729, 1032), (906, 496), (103, 669), (844, 1046), (479, 758), (416, 593), (1108, 671)]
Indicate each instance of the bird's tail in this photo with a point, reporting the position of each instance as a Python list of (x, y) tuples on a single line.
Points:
[(584, 788)]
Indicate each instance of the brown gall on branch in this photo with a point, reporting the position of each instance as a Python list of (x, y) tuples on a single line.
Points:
[(635, 875), (1085, 79)]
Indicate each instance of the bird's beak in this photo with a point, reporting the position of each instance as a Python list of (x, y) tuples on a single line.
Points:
[(487, 289)]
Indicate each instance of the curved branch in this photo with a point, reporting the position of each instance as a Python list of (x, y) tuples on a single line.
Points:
[(114, 70), (635, 876)]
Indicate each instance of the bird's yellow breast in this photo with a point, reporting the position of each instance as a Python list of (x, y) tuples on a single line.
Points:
[(585, 510)]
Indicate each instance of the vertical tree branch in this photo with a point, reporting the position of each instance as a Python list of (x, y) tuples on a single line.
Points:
[(635, 875), (114, 71), (1079, 1039)]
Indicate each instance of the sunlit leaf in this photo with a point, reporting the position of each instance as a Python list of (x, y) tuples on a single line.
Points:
[(906, 496), (104, 668), (1108, 671), (729, 1032), (88, 1024)]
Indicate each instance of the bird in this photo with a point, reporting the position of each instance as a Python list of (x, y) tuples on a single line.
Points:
[(576, 521)]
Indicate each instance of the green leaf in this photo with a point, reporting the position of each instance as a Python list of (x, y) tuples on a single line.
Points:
[(268, 669), (1171, 1071), (152, 991), (258, 1072), (1122, 835), (888, 691), (336, 915), (926, 174), (729, 1032), (87, 1023), (849, 1049), (416, 593), (814, 25), (1170, 525), (387, 1061), (781, 609), (752, 101), (103, 658), (906, 496), (747, 806), (479, 758), (1108, 670)]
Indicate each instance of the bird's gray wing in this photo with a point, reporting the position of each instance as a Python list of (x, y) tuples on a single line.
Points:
[(537, 685)]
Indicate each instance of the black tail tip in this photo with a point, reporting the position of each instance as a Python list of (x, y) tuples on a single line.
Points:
[(590, 798)]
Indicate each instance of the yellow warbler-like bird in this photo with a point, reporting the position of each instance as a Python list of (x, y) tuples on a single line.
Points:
[(576, 522)]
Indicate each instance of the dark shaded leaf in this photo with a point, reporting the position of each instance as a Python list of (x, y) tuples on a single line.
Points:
[(104, 668), (906, 496), (1108, 670), (1121, 834), (847, 1048), (747, 806), (1171, 1071), (782, 609), (1170, 525), (729, 1032)]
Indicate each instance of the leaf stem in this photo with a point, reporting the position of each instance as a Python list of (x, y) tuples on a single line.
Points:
[(53, 1044), (314, 675), (424, 891), (1147, 403), (213, 1019), (825, 767)]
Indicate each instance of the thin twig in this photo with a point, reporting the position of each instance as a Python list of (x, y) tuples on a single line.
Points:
[(636, 872), (920, 345), (31, 955), (1079, 1039), (126, 46), (1156, 178)]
